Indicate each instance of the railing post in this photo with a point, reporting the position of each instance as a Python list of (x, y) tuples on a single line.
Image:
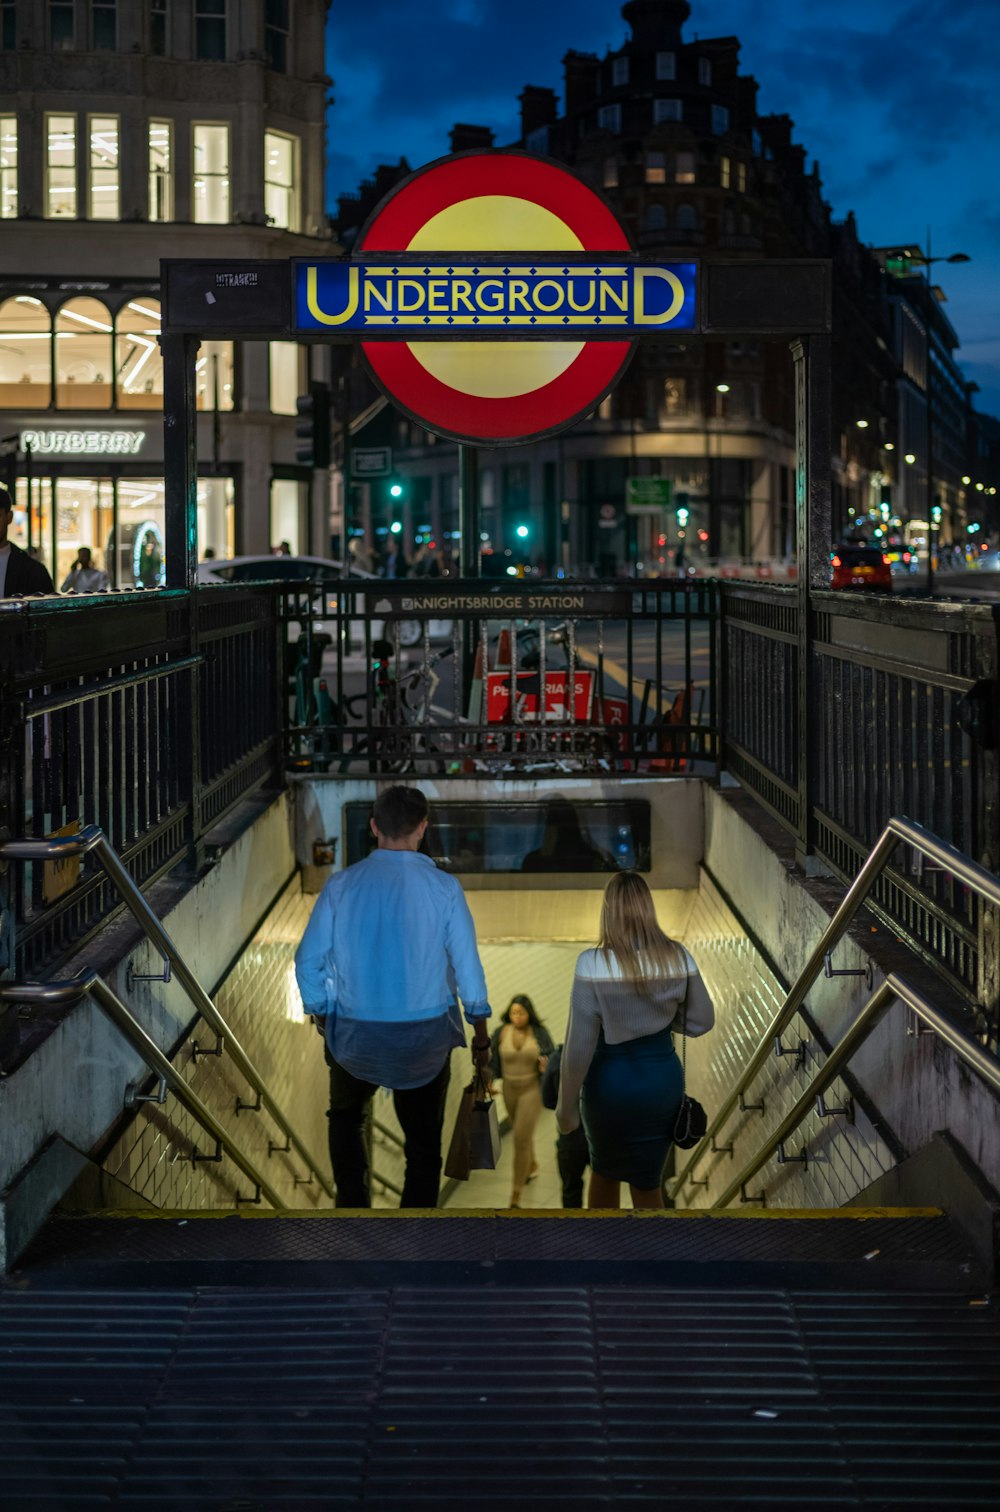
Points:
[(811, 356), (180, 474)]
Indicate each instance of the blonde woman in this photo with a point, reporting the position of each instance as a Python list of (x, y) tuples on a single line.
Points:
[(619, 1069)]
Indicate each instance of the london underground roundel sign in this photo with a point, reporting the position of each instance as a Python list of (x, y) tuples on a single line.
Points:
[(496, 297)]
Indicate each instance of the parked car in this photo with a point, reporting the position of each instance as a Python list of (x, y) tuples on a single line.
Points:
[(855, 565), (301, 569)]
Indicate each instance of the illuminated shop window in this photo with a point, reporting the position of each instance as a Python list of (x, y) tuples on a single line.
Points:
[(35, 533), (675, 400), (284, 371), (213, 375), (281, 188), (210, 190), (84, 517), (684, 168), (610, 173), (104, 25), (62, 29), (161, 171), (725, 172), (656, 168), (286, 513), (25, 354), (667, 110), (210, 30), (60, 167), (741, 177), (276, 34), (216, 517), (8, 167), (158, 28), (105, 187), (83, 355), (138, 363), (141, 550)]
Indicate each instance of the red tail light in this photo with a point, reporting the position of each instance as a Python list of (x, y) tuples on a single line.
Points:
[(836, 561), (885, 560)]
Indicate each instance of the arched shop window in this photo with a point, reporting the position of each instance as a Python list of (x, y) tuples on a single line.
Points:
[(25, 354), (213, 375), (138, 363), (83, 355)]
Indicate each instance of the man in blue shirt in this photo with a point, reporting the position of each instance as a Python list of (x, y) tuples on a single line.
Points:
[(388, 951)]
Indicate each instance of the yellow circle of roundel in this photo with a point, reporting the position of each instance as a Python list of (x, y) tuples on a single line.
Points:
[(495, 369)]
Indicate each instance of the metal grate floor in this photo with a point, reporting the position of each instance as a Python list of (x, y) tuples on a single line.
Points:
[(418, 1398)]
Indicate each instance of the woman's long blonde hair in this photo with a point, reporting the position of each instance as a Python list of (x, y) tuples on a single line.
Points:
[(630, 933)]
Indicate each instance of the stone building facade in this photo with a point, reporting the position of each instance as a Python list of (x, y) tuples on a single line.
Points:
[(131, 132)]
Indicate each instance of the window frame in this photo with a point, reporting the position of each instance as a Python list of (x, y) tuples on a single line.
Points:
[(68, 6), (211, 19), (93, 168), (619, 72), (74, 167), (705, 72), (294, 189), (612, 112), (664, 69), (725, 171), (683, 174), (655, 168), (196, 126), (8, 25), (284, 32), (662, 117), (9, 183), (741, 178), (103, 6), (158, 17), (166, 219), (720, 120)]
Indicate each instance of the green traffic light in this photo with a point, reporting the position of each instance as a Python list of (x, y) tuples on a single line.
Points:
[(522, 531), (396, 490)]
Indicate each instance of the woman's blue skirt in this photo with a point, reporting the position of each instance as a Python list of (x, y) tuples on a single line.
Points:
[(629, 1104)]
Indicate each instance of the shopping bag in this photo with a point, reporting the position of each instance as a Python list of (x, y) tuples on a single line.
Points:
[(475, 1141), (484, 1145)]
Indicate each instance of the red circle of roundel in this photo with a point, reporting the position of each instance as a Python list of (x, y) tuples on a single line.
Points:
[(466, 416)]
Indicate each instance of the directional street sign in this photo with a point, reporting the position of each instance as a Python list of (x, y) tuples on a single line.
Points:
[(647, 495), (371, 461)]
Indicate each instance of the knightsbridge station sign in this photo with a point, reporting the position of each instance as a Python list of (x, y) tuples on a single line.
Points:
[(496, 297)]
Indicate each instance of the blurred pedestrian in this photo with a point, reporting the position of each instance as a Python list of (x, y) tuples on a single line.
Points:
[(620, 1074), (84, 577), (19, 572), (572, 1154), (519, 1051)]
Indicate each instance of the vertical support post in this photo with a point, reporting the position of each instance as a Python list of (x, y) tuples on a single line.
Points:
[(813, 523), (180, 474), (180, 459), (468, 509)]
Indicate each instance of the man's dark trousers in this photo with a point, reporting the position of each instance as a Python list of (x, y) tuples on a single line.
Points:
[(573, 1157), (420, 1111)]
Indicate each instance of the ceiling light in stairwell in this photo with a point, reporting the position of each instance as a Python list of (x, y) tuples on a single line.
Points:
[(910, 457), (861, 424)]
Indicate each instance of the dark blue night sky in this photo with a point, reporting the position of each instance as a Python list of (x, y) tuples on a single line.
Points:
[(897, 101)]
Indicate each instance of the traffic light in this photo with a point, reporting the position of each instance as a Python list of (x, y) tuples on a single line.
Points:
[(395, 490), (312, 429), (522, 532), (682, 517)]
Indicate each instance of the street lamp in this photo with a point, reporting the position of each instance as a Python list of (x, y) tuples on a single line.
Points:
[(925, 260)]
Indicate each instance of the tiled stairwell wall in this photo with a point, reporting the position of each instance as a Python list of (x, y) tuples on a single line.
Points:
[(259, 1000), (843, 1156)]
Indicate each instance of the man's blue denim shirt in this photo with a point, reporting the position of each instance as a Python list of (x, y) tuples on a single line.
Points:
[(389, 950)]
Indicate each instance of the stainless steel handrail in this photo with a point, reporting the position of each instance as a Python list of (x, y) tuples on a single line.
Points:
[(892, 988), (93, 838), (127, 1025), (897, 829)]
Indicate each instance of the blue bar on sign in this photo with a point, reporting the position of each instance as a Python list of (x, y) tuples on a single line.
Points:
[(389, 299)]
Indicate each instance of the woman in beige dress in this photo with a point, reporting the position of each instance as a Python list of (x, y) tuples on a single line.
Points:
[(521, 1047)]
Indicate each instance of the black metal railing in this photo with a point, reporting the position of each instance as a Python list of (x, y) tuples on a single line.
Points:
[(897, 715), (150, 715), (513, 678)]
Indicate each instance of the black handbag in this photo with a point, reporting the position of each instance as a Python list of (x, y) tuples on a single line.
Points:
[(475, 1142), (692, 1120)]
